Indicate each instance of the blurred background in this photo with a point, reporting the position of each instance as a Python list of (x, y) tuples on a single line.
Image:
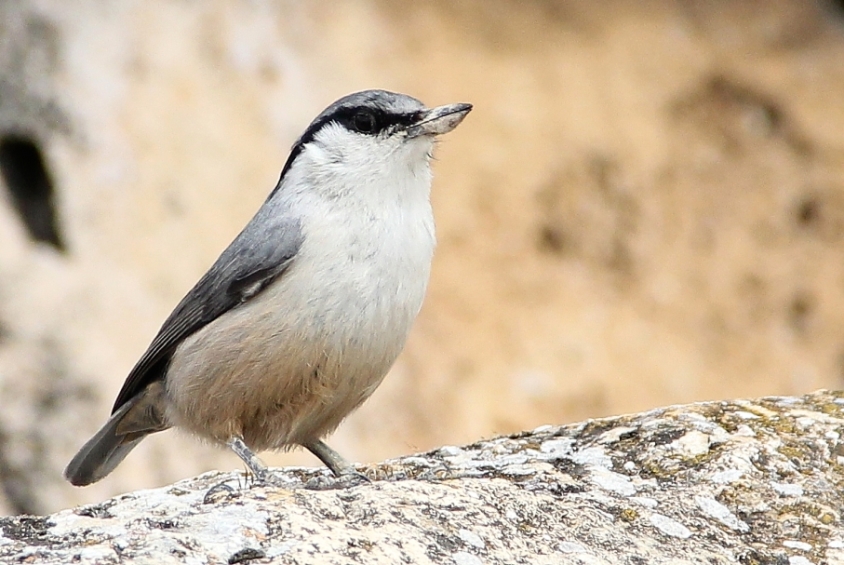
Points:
[(646, 206)]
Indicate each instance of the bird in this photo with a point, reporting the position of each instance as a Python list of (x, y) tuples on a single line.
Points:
[(300, 318)]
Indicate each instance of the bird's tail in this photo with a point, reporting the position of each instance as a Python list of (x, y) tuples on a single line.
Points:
[(124, 430)]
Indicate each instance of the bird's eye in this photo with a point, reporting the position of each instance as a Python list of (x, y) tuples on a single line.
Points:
[(364, 121)]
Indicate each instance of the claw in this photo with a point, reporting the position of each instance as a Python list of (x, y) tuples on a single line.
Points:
[(214, 493)]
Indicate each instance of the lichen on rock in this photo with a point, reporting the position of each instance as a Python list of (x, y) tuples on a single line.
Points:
[(750, 481)]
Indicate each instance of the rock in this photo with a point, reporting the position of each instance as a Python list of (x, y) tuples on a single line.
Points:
[(616, 491)]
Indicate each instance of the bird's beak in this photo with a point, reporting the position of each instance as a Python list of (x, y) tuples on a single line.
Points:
[(439, 120)]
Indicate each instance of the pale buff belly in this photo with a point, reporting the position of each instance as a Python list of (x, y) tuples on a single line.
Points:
[(276, 378)]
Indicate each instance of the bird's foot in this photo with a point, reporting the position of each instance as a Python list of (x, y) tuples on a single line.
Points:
[(219, 492), (348, 479), (233, 487), (260, 473), (266, 478)]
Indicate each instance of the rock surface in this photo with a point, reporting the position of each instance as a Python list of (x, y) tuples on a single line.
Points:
[(747, 481)]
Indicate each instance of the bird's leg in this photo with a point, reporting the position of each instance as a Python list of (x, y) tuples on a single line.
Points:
[(333, 460), (341, 468), (261, 472), (256, 466)]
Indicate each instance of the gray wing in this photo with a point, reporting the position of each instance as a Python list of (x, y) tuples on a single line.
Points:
[(262, 252)]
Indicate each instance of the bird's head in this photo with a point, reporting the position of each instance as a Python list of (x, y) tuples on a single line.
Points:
[(374, 137)]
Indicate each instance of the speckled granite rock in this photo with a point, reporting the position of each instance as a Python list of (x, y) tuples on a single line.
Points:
[(748, 481)]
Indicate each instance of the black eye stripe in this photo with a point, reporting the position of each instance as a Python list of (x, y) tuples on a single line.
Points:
[(345, 116)]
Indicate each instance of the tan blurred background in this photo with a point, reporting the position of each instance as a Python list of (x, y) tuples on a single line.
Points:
[(645, 207)]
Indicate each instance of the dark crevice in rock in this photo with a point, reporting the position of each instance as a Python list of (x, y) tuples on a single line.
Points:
[(30, 184)]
